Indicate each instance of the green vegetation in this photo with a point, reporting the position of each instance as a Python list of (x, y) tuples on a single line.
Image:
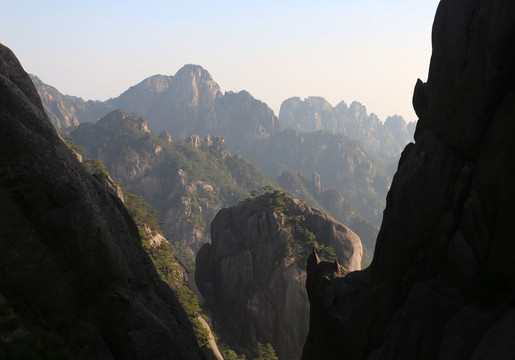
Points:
[(184, 255), (129, 147), (264, 352), (97, 168), (231, 355), (166, 264), (71, 144), (347, 214), (302, 240), (306, 241), (142, 213)]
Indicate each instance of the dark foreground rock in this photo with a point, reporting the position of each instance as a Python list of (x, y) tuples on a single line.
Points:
[(71, 259), (252, 274), (442, 282)]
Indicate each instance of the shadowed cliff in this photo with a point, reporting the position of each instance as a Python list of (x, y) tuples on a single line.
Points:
[(71, 260), (442, 282)]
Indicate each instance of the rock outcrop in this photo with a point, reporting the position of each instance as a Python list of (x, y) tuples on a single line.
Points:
[(72, 262), (442, 281), (252, 273)]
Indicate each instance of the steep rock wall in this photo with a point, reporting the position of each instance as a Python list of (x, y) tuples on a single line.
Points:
[(442, 282)]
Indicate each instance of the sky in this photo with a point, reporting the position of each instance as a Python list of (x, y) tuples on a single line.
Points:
[(371, 51)]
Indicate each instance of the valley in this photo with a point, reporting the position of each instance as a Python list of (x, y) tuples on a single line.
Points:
[(180, 221)]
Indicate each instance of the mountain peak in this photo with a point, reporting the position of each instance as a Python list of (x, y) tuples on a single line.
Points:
[(193, 70)]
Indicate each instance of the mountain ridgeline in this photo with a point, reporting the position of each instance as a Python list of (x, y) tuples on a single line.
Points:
[(384, 141), (191, 103)]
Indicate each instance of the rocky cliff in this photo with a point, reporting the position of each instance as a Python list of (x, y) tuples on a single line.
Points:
[(73, 267), (442, 282), (252, 273)]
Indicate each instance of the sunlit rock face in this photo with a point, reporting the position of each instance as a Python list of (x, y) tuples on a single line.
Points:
[(252, 274), (73, 267), (442, 282)]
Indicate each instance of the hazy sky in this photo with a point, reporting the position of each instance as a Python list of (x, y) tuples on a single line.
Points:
[(371, 51)]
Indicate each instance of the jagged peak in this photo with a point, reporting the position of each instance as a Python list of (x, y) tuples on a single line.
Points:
[(341, 105), (319, 100), (356, 106), (395, 121)]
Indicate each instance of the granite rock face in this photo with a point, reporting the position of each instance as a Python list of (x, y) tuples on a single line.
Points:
[(442, 282), (252, 273), (71, 257)]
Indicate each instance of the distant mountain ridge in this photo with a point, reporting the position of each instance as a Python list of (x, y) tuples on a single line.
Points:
[(191, 102), (383, 140), (65, 111)]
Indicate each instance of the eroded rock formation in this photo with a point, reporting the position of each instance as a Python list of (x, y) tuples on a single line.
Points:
[(252, 273), (71, 258), (442, 282)]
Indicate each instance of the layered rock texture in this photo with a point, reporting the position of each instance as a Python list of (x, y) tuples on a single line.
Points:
[(384, 140), (72, 262), (442, 282), (252, 274)]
